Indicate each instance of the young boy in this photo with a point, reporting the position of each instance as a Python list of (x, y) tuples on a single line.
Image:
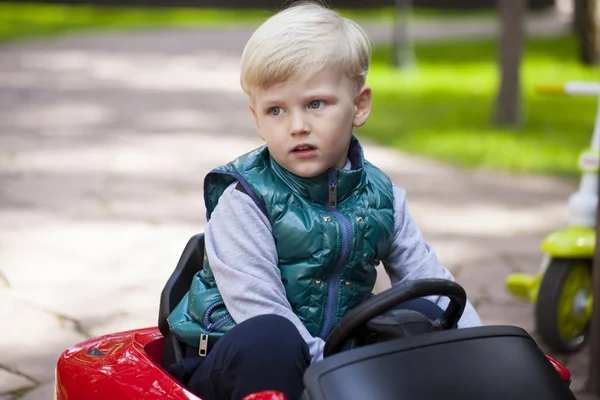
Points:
[(296, 227)]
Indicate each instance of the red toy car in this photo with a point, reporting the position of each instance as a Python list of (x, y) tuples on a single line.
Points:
[(400, 354)]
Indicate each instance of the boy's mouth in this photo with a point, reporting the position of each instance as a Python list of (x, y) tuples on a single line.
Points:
[(304, 150)]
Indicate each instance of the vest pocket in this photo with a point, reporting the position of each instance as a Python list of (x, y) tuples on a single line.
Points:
[(360, 227)]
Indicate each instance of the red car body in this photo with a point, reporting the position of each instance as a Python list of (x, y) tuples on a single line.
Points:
[(122, 366)]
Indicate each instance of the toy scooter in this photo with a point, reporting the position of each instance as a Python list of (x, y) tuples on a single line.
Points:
[(562, 289)]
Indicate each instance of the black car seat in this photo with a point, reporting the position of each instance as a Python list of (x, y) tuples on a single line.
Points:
[(190, 262)]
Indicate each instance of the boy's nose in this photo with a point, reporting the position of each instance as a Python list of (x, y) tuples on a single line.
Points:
[(299, 125)]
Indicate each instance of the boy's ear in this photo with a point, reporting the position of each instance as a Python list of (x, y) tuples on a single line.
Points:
[(362, 106), (258, 129)]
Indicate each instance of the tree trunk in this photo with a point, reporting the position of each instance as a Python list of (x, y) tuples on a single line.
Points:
[(593, 382), (587, 29), (508, 103), (402, 52)]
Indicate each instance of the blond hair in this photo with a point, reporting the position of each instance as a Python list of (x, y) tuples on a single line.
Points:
[(302, 40)]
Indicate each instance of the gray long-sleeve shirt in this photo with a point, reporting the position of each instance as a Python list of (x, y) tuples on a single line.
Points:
[(242, 254)]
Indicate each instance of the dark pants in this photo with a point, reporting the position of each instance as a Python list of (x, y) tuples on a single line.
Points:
[(262, 353)]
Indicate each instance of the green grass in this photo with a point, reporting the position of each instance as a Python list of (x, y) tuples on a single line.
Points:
[(443, 109), (385, 15), (20, 20)]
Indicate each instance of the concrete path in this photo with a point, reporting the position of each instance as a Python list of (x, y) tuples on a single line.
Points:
[(104, 143)]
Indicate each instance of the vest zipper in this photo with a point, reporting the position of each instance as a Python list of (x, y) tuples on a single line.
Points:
[(211, 326), (333, 289)]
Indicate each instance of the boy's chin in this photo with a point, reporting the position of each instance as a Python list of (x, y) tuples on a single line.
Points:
[(306, 174), (307, 171)]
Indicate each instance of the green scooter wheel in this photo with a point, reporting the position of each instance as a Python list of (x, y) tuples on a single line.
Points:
[(563, 306)]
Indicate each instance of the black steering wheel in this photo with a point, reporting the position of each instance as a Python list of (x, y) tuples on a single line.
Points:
[(385, 301)]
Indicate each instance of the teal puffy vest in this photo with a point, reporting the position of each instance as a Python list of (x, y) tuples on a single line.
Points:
[(330, 230)]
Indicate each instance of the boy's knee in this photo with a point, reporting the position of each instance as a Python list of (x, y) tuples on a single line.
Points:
[(272, 328), (270, 334)]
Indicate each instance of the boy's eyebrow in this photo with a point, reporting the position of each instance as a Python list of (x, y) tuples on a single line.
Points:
[(321, 94), (314, 95), (268, 103)]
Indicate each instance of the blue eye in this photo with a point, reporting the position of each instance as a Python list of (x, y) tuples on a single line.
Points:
[(316, 104), (275, 111)]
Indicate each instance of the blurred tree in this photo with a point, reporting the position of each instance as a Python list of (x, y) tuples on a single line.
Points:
[(403, 53), (587, 29), (508, 102)]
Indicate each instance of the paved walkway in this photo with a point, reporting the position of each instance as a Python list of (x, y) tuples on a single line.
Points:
[(104, 142)]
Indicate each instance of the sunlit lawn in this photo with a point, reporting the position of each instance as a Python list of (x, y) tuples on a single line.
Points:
[(444, 108), (22, 20)]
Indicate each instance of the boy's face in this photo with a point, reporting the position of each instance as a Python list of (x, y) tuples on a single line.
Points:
[(307, 123)]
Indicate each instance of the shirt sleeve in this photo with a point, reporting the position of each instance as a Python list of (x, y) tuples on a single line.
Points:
[(410, 258), (241, 250)]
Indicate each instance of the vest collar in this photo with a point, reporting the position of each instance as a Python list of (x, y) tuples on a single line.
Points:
[(317, 188)]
